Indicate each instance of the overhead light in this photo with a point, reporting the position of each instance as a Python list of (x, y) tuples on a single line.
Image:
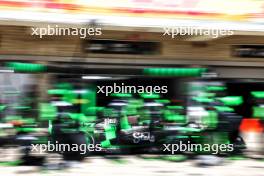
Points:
[(80, 91), (117, 104), (6, 71), (3, 70), (152, 104), (96, 77), (6, 125), (61, 103)]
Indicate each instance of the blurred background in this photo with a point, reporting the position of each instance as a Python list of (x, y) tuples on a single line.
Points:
[(49, 86)]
